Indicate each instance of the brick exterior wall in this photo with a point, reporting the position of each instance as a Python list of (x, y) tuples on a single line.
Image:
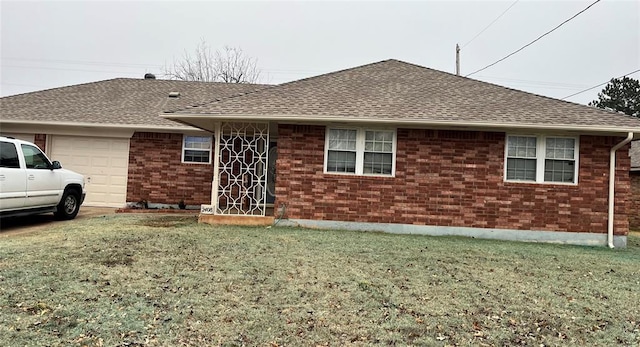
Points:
[(634, 209), (157, 175), (40, 140), (449, 178)]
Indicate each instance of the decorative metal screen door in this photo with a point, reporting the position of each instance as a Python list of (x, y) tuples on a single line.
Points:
[(242, 169)]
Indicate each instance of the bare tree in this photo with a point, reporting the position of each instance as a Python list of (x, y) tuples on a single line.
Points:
[(229, 65)]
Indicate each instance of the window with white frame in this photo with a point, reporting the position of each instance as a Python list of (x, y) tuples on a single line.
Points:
[(541, 159), (360, 151), (196, 149)]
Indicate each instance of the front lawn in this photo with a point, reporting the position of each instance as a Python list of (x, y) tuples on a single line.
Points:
[(132, 280)]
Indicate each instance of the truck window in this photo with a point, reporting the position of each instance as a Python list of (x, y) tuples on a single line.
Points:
[(9, 156), (34, 158)]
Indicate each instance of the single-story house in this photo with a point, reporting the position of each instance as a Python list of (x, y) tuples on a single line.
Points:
[(397, 147), (110, 131), (634, 216), (388, 146)]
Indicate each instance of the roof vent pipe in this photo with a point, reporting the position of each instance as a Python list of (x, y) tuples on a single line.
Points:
[(612, 186), (149, 76)]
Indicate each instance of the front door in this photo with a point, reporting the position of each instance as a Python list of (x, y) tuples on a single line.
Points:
[(242, 169)]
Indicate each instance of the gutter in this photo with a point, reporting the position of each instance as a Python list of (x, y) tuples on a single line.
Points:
[(612, 184), (168, 128), (184, 118)]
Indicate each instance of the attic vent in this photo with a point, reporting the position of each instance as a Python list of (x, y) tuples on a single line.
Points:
[(174, 94), (149, 76)]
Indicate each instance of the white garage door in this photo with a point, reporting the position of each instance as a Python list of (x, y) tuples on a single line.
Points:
[(103, 161)]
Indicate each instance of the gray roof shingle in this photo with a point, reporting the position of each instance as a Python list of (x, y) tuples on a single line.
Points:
[(120, 101), (393, 90)]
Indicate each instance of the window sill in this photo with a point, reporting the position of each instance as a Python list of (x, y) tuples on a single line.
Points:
[(357, 175), (543, 183), (194, 163)]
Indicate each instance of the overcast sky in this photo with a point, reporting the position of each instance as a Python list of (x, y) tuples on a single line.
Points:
[(47, 44)]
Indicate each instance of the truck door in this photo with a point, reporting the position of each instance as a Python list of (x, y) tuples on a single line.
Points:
[(13, 178), (43, 184)]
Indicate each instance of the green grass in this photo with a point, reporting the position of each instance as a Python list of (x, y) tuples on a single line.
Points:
[(148, 280)]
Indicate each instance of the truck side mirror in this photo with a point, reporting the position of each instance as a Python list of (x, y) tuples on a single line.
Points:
[(56, 165)]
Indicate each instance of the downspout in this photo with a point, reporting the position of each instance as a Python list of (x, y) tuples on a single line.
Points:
[(612, 185), (216, 168)]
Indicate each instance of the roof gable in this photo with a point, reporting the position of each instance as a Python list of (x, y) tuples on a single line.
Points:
[(393, 90)]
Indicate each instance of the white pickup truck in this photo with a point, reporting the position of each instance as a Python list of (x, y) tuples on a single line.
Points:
[(31, 184)]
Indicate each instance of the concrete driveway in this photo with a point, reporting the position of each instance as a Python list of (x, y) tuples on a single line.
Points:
[(27, 224)]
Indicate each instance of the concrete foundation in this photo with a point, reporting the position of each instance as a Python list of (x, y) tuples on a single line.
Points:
[(561, 237), (235, 220)]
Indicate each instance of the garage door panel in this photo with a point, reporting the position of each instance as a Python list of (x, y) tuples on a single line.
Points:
[(120, 162), (103, 161), (119, 180), (121, 147), (100, 163), (77, 162), (104, 145)]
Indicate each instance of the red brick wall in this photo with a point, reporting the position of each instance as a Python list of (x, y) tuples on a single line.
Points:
[(40, 140), (634, 208), (448, 178), (157, 175)]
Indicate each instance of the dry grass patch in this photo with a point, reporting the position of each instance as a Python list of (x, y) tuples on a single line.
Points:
[(153, 280)]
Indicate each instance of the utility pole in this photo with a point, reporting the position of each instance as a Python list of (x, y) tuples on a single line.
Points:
[(457, 59)]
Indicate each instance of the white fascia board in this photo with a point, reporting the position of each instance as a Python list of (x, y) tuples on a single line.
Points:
[(177, 128), (184, 118)]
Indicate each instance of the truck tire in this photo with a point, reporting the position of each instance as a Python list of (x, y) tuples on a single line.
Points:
[(69, 205)]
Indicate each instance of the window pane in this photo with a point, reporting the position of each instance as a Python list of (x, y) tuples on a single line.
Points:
[(338, 161), (560, 148), (197, 149), (342, 139), (559, 171), (521, 169), (34, 158), (378, 141), (521, 146), (195, 156), (9, 156), (378, 163), (197, 142)]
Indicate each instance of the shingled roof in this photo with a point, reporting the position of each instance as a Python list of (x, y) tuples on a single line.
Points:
[(393, 91), (120, 102)]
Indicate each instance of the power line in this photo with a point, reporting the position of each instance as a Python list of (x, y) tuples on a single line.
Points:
[(23, 85), (126, 65), (490, 24), (80, 62), (65, 69), (542, 83), (534, 41), (601, 84)]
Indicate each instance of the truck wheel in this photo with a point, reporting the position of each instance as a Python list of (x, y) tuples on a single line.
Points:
[(69, 205)]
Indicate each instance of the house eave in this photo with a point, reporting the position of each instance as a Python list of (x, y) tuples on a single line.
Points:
[(138, 127), (411, 123)]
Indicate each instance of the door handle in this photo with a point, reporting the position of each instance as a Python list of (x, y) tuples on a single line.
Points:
[(31, 177), (1, 177)]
